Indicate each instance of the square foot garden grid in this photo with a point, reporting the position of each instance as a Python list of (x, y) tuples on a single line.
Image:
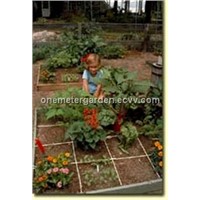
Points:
[(107, 170)]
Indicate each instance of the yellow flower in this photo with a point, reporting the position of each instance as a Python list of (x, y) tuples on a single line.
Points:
[(160, 147), (160, 164), (160, 153), (156, 144), (54, 160), (65, 162), (39, 162), (67, 154)]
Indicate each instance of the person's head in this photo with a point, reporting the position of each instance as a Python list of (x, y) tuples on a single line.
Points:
[(93, 63)]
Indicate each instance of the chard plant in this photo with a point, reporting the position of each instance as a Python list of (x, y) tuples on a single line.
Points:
[(128, 135), (119, 83)]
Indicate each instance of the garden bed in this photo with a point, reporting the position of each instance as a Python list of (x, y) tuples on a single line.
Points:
[(63, 79), (105, 170)]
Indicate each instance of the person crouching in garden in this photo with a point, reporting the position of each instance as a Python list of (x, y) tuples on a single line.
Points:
[(92, 71)]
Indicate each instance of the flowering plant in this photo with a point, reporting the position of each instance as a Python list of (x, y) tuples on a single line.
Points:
[(52, 172), (157, 157), (87, 133), (46, 75)]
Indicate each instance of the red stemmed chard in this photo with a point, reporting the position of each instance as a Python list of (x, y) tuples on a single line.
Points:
[(40, 145)]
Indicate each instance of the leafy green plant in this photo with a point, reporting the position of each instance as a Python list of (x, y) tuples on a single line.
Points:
[(119, 83), (101, 176), (100, 173), (104, 160), (152, 124), (43, 50), (85, 135), (112, 51), (52, 172), (106, 117), (63, 109), (59, 59), (150, 127), (128, 135), (70, 78)]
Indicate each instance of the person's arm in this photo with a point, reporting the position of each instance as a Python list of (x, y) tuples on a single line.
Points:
[(98, 91), (85, 81), (85, 85)]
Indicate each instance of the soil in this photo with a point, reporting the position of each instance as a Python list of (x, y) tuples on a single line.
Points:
[(115, 168), (131, 168)]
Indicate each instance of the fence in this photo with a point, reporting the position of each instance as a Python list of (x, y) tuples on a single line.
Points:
[(147, 37)]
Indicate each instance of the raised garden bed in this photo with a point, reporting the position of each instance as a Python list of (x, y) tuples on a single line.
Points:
[(61, 79), (102, 171)]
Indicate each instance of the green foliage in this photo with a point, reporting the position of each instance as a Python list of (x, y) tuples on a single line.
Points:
[(104, 160), (119, 83), (43, 51), (70, 78), (104, 175), (155, 109), (59, 59), (152, 124), (112, 51), (85, 135), (100, 173), (150, 127), (47, 76), (106, 117), (63, 108), (88, 29), (74, 47), (128, 135)]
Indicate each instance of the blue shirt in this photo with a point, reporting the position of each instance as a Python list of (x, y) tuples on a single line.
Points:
[(87, 75)]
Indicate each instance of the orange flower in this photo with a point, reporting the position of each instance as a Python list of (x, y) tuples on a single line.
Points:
[(160, 164), (156, 144), (44, 177), (54, 160), (67, 154), (160, 153), (160, 147), (50, 158), (65, 162), (40, 179)]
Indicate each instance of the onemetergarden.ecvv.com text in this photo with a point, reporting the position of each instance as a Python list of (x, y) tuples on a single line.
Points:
[(87, 101)]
